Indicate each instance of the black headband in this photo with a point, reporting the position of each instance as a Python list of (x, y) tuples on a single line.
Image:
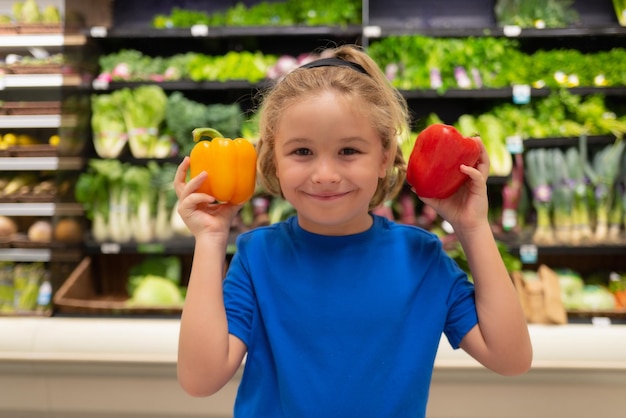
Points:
[(335, 62)]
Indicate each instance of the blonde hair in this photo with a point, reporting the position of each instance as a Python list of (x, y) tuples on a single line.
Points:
[(385, 108)]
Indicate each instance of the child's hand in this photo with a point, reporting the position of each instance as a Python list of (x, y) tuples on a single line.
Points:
[(468, 207), (200, 212)]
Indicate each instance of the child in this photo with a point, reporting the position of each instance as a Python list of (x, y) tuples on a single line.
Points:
[(340, 312)]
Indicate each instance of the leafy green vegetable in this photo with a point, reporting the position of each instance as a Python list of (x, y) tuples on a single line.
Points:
[(156, 291), (108, 127), (620, 11), (267, 13), (183, 115), (126, 201), (571, 284), (536, 13), (411, 60), (595, 297), (100, 191), (144, 111), (168, 267)]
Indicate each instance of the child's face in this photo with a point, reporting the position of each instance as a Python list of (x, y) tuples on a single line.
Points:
[(328, 160)]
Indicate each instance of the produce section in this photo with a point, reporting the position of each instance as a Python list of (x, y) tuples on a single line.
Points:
[(557, 100), (562, 99)]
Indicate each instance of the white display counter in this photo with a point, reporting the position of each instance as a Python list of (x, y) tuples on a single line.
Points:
[(94, 368)]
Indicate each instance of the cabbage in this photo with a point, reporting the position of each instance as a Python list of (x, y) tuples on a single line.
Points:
[(156, 291), (595, 297), (571, 284)]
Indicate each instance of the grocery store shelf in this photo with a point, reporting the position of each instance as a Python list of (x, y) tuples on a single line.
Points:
[(38, 80), (43, 40), (176, 245), (100, 85), (41, 163), (505, 93), (25, 254), (384, 28), (30, 121), (41, 209), (224, 32)]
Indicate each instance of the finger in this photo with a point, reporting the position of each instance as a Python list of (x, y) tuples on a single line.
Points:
[(181, 175), (483, 160), (193, 184), (195, 202)]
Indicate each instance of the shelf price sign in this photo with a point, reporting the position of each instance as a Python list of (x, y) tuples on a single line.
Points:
[(528, 253), (199, 30), (521, 94), (98, 32), (110, 248)]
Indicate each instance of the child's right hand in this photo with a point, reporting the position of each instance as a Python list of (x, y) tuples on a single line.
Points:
[(199, 211)]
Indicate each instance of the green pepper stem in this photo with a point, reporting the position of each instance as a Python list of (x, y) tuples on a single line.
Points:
[(210, 133)]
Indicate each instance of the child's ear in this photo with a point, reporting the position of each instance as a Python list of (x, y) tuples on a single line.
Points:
[(384, 165)]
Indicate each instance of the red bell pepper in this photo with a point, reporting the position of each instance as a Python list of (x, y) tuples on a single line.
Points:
[(433, 168)]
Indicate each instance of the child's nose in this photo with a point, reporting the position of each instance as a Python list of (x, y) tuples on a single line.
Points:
[(325, 172)]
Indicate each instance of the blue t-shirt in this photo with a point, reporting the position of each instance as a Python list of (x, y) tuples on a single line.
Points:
[(342, 326)]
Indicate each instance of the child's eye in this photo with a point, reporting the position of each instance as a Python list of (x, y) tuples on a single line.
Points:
[(302, 151), (349, 151)]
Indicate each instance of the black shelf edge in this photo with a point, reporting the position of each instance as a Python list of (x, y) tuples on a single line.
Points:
[(505, 92), (178, 245), (571, 250), (226, 32), (566, 141), (185, 245), (485, 93), (186, 85), (443, 32)]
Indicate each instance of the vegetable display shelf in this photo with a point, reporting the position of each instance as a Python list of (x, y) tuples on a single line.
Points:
[(242, 85), (97, 355), (432, 18), (391, 29), (506, 93), (30, 121), (42, 40), (32, 81), (204, 31)]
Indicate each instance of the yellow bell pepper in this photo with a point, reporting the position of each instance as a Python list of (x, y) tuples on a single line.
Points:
[(229, 163)]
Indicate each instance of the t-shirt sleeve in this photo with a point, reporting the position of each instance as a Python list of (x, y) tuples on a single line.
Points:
[(239, 298), (462, 316)]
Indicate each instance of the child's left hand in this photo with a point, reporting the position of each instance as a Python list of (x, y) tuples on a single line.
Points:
[(468, 207)]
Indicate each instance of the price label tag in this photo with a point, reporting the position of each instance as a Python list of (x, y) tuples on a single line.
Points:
[(515, 144), (98, 32), (372, 31), (528, 253), (110, 248), (199, 30), (521, 94), (2, 83), (512, 31), (100, 84)]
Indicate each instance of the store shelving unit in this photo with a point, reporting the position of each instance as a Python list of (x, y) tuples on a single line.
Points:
[(29, 85), (145, 347)]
